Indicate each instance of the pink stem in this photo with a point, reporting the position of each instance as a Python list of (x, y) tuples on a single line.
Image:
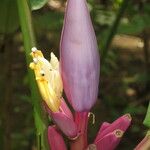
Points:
[(81, 119)]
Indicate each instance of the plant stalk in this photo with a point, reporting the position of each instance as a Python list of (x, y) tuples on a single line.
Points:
[(81, 119), (113, 29), (29, 42)]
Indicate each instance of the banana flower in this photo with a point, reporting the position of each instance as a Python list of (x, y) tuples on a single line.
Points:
[(50, 85), (109, 135), (79, 57)]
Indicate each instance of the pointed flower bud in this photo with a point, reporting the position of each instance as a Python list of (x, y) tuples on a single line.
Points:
[(79, 58), (55, 139), (109, 141), (109, 135), (122, 123), (64, 120), (48, 78)]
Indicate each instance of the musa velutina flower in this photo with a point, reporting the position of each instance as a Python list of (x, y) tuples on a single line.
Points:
[(50, 86), (110, 134), (78, 74), (48, 78), (79, 57)]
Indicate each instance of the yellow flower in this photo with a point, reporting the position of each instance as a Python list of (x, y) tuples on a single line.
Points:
[(48, 78)]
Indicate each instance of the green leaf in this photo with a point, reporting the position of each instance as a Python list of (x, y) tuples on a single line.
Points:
[(8, 16), (146, 121), (37, 4)]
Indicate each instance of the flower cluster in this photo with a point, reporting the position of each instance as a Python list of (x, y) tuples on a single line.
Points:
[(77, 74)]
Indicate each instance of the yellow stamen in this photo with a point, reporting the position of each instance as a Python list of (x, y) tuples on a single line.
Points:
[(48, 78)]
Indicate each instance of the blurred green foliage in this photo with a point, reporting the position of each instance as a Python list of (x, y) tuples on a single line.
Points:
[(9, 16), (37, 4)]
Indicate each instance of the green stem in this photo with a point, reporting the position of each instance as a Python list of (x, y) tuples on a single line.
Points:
[(146, 121), (113, 29), (29, 42)]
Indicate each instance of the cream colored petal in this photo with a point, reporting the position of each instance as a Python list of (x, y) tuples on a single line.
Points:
[(54, 62), (48, 79)]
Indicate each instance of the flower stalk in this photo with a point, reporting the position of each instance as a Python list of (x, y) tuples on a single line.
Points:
[(29, 42), (81, 119)]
